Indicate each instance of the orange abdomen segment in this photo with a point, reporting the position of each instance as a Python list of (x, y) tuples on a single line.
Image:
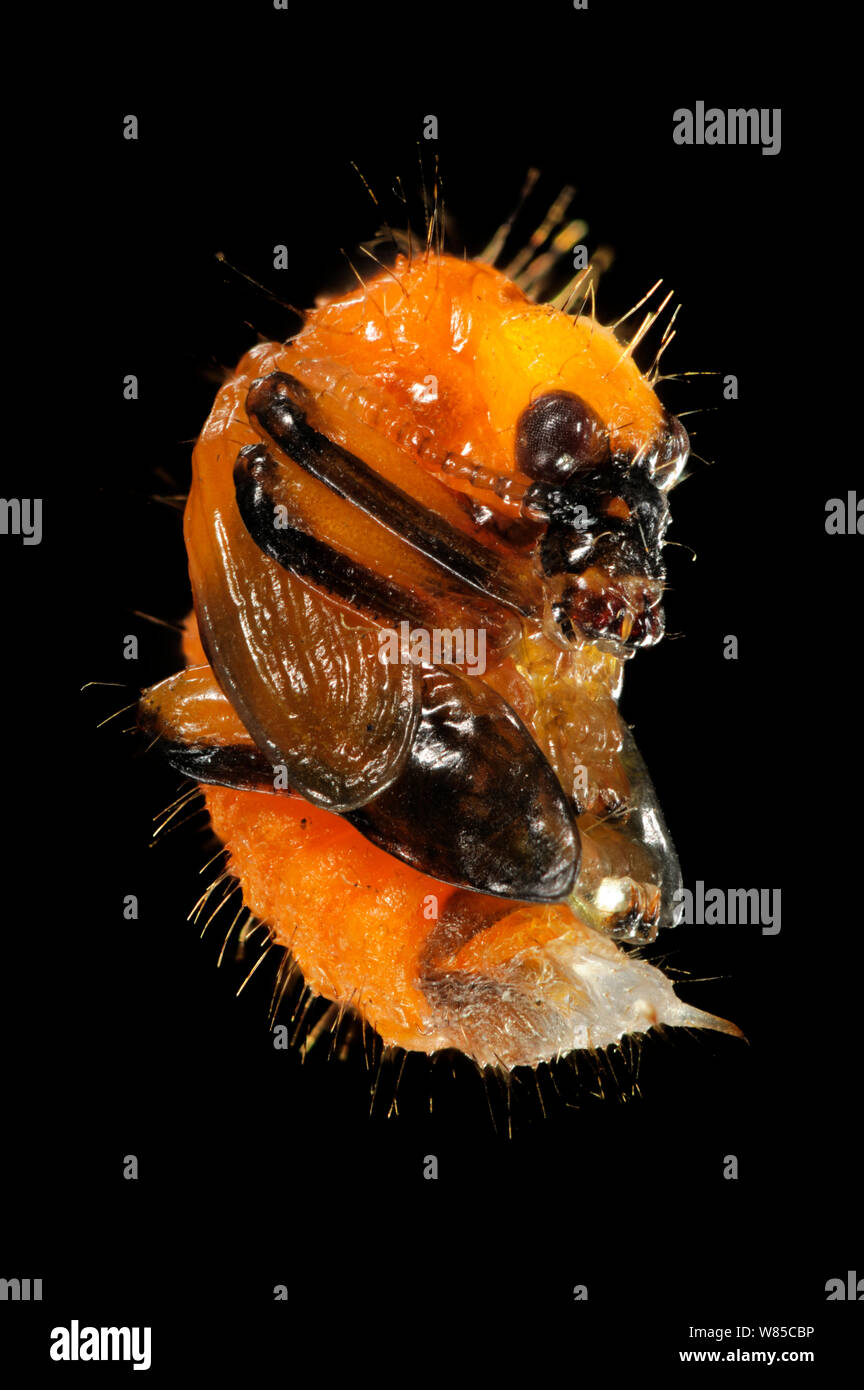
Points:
[(352, 916)]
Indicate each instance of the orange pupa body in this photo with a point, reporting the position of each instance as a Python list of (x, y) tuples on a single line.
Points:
[(424, 373)]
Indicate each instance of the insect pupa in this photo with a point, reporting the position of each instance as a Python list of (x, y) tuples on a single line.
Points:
[(438, 464)]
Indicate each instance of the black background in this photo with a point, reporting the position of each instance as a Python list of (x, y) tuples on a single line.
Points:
[(122, 1037)]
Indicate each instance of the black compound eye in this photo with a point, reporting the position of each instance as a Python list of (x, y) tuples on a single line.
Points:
[(556, 435)]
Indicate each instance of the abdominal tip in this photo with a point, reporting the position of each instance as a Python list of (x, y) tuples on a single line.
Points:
[(698, 1018)]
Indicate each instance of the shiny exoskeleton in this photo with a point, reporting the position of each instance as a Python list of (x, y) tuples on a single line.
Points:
[(503, 818)]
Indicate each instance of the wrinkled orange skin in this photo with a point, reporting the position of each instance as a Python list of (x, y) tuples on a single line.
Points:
[(356, 919)]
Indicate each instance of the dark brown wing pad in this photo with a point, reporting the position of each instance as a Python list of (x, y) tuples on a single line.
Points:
[(476, 804), (301, 673)]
